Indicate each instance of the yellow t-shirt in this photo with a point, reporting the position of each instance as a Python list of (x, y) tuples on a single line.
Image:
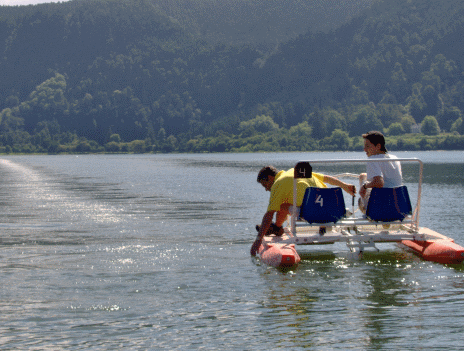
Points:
[(282, 189)]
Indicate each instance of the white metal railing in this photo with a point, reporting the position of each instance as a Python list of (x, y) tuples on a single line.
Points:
[(415, 218)]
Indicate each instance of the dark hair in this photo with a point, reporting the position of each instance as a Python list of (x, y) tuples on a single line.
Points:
[(376, 138), (267, 171)]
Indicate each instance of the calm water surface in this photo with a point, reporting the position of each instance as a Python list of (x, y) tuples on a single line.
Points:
[(151, 252)]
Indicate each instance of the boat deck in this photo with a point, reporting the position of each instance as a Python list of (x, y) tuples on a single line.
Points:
[(369, 233)]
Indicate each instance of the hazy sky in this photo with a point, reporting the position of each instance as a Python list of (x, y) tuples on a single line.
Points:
[(26, 2)]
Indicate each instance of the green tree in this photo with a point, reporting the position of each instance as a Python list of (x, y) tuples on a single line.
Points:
[(112, 146), (443, 68), (363, 120), (332, 120), (458, 126), (12, 101), (261, 124), (448, 116), (398, 82), (115, 138), (338, 140), (433, 103), (417, 106), (48, 99), (429, 126), (170, 144), (407, 122), (301, 131), (358, 96), (389, 113), (83, 147), (395, 129), (137, 146)]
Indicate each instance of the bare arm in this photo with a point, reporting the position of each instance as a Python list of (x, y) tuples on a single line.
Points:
[(377, 182), (265, 224), (349, 188)]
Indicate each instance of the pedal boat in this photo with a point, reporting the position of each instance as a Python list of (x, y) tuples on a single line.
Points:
[(323, 219)]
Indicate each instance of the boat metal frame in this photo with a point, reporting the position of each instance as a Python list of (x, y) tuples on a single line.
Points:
[(358, 233)]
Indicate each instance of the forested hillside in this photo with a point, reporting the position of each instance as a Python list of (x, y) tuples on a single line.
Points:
[(262, 24), (140, 75)]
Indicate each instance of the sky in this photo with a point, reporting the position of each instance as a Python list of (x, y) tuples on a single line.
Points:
[(26, 2)]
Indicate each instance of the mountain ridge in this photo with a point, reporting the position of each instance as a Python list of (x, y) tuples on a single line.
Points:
[(97, 68)]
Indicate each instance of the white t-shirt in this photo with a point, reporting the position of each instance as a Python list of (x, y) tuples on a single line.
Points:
[(389, 171)]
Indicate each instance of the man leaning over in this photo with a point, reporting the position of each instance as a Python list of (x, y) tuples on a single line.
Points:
[(280, 184)]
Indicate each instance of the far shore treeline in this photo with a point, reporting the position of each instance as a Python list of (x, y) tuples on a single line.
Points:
[(91, 76)]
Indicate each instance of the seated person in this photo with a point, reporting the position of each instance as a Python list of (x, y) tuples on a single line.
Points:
[(280, 184), (378, 174)]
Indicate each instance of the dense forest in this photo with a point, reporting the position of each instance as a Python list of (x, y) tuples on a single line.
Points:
[(180, 76), (263, 24)]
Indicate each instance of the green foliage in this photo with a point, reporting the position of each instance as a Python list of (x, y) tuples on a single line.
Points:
[(417, 104), (458, 126), (301, 131), (112, 146), (429, 126), (268, 21), (115, 138), (449, 116), (338, 140), (389, 113), (363, 119), (395, 129), (324, 122), (137, 146), (407, 122), (260, 124), (83, 147)]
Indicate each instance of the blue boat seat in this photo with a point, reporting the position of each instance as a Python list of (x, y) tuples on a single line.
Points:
[(323, 205), (389, 204)]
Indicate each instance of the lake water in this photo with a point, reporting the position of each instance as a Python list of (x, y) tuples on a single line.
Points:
[(151, 252)]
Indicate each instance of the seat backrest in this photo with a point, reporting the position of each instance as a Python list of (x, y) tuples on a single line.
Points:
[(323, 205), (389, 204)]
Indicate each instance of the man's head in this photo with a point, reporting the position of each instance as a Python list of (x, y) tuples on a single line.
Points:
[(374, 143), (266, 177)]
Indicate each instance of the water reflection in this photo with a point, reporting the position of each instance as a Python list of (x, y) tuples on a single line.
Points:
[(338, 302)]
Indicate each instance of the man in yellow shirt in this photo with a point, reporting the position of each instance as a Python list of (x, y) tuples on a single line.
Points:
[(280, 184)]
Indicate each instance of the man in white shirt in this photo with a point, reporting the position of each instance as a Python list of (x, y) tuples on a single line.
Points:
[(378, 174)]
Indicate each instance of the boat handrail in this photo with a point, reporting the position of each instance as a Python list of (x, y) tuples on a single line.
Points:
[(294, 215)]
